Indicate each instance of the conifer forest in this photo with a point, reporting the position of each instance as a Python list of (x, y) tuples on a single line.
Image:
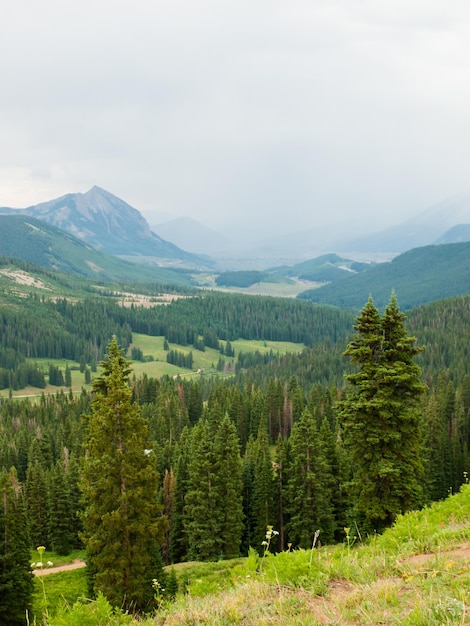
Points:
[(369, 420)]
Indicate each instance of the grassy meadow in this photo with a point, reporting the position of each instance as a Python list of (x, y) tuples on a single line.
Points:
[(415, 574), (204, 363)]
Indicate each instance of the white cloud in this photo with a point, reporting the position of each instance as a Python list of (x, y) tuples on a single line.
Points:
[(278, 112)]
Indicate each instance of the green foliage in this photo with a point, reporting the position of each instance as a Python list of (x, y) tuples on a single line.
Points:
[(96, 613), (244, 278), (122, 521), (62, 511), (309, 488), (418, 276), (16, 580), (380, 418), (180, 359)]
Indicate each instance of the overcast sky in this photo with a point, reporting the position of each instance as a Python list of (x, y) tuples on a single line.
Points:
[(263, 112)]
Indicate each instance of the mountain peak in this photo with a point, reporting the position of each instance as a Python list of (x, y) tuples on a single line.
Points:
[(107, 223)]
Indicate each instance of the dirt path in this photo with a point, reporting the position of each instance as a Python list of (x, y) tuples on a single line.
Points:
[(76, 564)]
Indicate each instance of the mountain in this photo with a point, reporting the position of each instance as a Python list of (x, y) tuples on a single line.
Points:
[(29, 239), (325, 268), (109, 224), (456, 234), (418, 276), (421, 230), (193, 236)]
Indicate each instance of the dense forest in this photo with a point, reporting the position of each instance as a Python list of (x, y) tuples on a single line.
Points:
[(277, 419)]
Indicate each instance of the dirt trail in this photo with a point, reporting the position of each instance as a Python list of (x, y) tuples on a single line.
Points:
[(76, 564)]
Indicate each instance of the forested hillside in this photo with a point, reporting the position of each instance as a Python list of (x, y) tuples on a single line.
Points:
[(278, 418), (419, 276)]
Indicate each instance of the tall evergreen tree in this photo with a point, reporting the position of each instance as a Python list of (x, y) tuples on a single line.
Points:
[(123, 525), (16, 579), (228, 469), (179, 538), (202, 517), (36, 489), (380, 415), (61, 515), (263, 508), (309, 488)]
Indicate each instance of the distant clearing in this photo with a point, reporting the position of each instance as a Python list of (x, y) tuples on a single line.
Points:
[(23, 278)]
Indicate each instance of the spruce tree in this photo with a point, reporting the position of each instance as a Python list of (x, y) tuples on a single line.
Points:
[(61, 514), (380, 416), (179, 539), (263, 507), (122, 521), (228, 469), (16, 579), (36, 489), (201, 515), (309, 488)]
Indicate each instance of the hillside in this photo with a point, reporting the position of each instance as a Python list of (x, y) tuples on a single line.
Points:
[(32, 240), (423, 229), (108, 224), (325, 268), (415, 574), (418, 276)]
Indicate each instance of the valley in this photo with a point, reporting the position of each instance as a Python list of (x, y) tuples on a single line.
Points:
[(231, 397)]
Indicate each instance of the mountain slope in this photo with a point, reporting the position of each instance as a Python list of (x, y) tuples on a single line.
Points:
[(193, 236), (418, 276), (29, 239), (107, 223), (325, 268), (456, 234), (421, 230)]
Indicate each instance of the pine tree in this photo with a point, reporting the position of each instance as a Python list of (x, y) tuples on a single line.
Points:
[(16, 579), (179, 538), (37, 504), (263, 508), (202, 518), (228, 469), (380, 416), (61, 519), (309, 487), (123, 525)]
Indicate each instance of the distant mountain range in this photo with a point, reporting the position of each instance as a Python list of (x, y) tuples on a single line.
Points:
[(29, 239), (418, 276), (110, 225), (191, 235), (424, 229)]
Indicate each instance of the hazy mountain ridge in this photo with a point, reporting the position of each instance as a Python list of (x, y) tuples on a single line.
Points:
[(33, 240), (457, 234), (418, 276), (421, 230), (191, 235), (107, 223)]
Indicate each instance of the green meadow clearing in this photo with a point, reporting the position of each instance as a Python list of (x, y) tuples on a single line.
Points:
[(204, 362)]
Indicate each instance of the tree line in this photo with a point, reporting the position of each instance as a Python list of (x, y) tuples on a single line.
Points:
[(227, 458)]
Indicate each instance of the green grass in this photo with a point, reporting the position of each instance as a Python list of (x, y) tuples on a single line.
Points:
[(59, 589), (78, 379), (207, 360), (416, 574), (58, 559), (204, 362)]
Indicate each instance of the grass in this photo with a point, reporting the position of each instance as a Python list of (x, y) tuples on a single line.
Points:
[(60, 589), (415, 574), (206, 361), (203, 362), (58, 559)]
